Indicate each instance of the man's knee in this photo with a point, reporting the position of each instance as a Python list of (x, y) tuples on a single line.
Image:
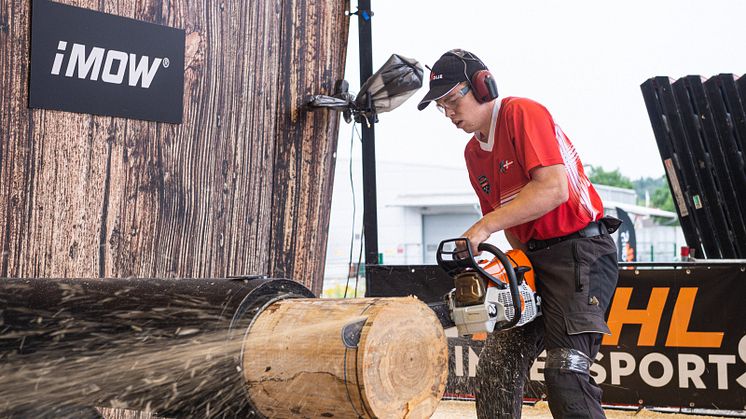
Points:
[(571, 392), (564, 368), (568, 360)]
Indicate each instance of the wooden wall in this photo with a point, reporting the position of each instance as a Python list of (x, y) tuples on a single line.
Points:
[(243, 186)]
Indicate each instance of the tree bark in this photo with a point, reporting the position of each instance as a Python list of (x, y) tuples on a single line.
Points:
[(242, 186)]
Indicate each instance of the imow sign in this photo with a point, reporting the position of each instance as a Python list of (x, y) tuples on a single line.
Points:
[(91, 62)]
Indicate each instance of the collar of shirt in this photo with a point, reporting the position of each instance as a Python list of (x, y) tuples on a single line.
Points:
[(491, 137)]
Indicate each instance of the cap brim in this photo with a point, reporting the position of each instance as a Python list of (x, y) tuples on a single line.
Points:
[(435, 93)]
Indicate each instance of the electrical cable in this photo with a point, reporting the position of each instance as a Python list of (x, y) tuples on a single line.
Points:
[(359, 259), (354, 208)]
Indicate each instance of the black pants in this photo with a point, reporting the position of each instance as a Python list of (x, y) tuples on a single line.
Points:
[(576, 280)]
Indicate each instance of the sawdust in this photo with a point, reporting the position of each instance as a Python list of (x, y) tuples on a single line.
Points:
[(179, 356), (467, 410), (166, 374)]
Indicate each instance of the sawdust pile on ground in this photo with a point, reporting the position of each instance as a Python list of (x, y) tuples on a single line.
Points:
[(466, 410)]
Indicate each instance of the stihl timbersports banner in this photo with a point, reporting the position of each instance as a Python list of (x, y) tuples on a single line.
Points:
[(678, 335)]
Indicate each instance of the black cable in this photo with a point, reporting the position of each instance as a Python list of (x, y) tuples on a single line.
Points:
[(354, 207), (359, 259)]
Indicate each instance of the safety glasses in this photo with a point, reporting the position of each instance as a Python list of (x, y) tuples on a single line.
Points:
[(451, 101)]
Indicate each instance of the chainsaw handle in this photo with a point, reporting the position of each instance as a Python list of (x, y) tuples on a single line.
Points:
[(462, 259), (512, 279)]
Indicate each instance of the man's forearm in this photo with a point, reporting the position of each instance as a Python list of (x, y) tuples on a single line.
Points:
[(532, 202), (545, 192)]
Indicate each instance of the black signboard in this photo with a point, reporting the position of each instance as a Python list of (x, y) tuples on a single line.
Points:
[(627, 243), (91, 62), (678, 335)]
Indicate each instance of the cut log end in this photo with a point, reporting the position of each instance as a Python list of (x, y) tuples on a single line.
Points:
[(385, 357), (404, 355)]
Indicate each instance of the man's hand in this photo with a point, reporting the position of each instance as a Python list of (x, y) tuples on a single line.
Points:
[(477, 234)]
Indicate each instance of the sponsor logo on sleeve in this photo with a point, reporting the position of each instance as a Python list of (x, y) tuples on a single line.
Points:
[(484, 184)]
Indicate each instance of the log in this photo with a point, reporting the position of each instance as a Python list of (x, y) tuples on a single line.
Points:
[(214, 348), (368, 358), (168, 346)]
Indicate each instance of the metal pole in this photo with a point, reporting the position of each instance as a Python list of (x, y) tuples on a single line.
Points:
[(370, 215)]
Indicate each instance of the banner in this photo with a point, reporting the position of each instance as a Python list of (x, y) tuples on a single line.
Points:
[(627, 243), (91, 62), (678, 336)]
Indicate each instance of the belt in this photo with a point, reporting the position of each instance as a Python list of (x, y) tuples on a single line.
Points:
[(593, 229)]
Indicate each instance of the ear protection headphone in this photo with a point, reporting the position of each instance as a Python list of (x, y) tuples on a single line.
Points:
[(481, 82)]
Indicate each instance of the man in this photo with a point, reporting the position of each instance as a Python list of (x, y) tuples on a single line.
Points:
[(531, 185)]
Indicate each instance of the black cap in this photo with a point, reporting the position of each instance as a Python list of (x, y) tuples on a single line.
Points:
[(452, 68)]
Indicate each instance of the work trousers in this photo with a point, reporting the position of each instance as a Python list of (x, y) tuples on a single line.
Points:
[(576, 279)]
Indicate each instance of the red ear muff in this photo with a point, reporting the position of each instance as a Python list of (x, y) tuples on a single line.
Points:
[(484, 86)]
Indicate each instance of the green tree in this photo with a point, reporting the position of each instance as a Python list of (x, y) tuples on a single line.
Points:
[(662, 198), (647, 185), (655, 188), (599, 176)]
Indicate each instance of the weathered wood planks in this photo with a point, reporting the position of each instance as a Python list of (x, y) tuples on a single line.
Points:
[(243, 186)]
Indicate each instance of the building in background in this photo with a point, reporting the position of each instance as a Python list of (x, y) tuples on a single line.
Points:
[(420, 205)]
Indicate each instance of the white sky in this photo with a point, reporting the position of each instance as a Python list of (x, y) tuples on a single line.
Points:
[(584, 60)]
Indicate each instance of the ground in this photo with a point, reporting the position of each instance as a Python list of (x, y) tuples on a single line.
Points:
[(465, 410)]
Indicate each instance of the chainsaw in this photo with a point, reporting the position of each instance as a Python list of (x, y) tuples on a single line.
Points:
[(488, 296)]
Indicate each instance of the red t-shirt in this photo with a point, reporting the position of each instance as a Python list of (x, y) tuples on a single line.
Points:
[(524, 136)]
